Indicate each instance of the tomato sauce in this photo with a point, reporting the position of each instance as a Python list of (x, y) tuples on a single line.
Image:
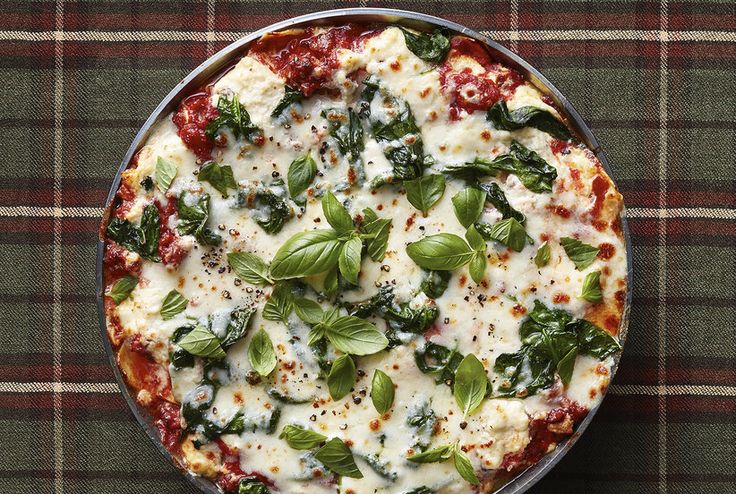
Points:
[(191, 120), (231, 461), (559, 146), (600, 187), (544, 432), (307, 59), (169, 245), (606, 251), (167, 421)]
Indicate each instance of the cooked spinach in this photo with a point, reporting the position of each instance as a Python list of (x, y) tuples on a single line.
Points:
[(193, 214), (422, 419), (142, 239), (291, 96), (346, 129), (234, 116), (438, 360), (380, 467), (251, 485), (495, 196), (237, 326), (435, 283), (180, 358), (430, 47), (269, 206), (551, 340), (526, 116)]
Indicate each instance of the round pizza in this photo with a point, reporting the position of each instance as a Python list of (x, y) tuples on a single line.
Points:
[(364, 259)]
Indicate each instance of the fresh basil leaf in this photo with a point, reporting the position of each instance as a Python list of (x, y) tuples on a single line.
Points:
[(582, 255), (495, 196), (301, 174), (305, 254), (291, 96), (430, 47), (173, 304), (476, 241), (218, 176), (541, 258), (436, 455), (595, 341), (355, 336), (332, 282), (342, 377), (300, 438), (440, 252), (237, 326), (122, 288), (477, 267), (379, 229), (592, 288), (234, 116), (251, 485), (509, 232), (526, 116), (336, 214), (424, 192), (279, 305), (249, 267), (268, 205), (468, 205), (470, 384), (336, 456), (435, 283), (193, 214), (464, 467), (382, 391), (261, 355), (201, 342), (349, 260), (308, 310), (164, 174)]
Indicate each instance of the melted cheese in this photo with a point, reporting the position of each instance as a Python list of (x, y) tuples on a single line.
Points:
[(473, 318)]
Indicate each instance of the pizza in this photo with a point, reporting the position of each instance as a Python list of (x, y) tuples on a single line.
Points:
[(364, 259)]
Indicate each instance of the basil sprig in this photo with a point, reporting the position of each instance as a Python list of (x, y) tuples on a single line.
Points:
[(382, 391), (531, 169), (218, 176), (430, 47), (173, 304), (591, 291), (142, 239), (261, 355), (471, 384), (544, 252), (478, 263), (468, 205), (301, 174), (582, 255), (249, 267), (444, 453), (122, 288), (164, 174), (193, 218), (526, 116), (551, 340), (234, 116), (424, 192), (300, 438)]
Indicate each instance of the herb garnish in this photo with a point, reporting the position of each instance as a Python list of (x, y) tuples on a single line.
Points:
[(424, 192), (218, 176), (173, 304), (444, 453), (430, 47), (582, 255), (193, 218), (122, 289)]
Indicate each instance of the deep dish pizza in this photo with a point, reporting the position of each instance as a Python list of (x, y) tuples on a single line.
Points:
[(364, 260)]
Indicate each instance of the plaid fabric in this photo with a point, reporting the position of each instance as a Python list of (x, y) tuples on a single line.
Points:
[(655, 81)]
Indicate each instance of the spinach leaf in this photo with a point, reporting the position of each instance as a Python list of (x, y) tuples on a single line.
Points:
[(174, 303), (270, 210), (336, 456), (435, 283), (582, 255), (495, 196), (378, 230), (526, 116), (380, 467), (430, 47), (440, 252), (401, 317), (164, 174), (509, 232), (420, 490), (142, 240), (234, 116), (251, 485), (424, 192), (341, 377), (291, 96), (594, 341), (122, 289), (301, 174), (307, 253), (236, 328), (591, 291), (439, 360), (468, 205), (346, 129), (193, 214), (218, 176), (422, 419)]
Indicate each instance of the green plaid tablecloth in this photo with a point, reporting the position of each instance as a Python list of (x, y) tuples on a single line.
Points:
[(656, 81)]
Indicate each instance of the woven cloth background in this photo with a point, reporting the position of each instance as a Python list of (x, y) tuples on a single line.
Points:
[(656, 81)]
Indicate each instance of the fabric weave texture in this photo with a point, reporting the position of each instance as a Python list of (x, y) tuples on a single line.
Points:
[(655, 81)]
